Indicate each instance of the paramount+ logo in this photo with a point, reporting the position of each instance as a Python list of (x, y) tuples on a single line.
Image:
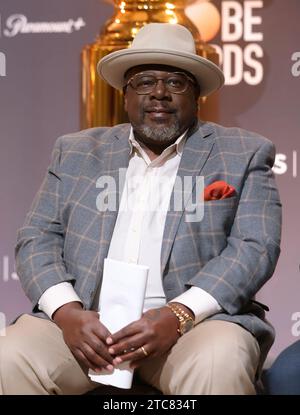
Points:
[(17, 24)]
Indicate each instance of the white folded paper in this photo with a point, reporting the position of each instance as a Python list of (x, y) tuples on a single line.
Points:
[(121, 301)]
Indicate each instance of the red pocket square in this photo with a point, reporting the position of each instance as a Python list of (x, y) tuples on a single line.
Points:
[(218, 190)]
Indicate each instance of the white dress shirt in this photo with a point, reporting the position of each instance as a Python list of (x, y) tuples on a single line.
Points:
[(138, 232)]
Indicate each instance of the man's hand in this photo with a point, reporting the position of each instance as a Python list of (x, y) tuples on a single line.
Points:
[(85, 336), (150, 336)]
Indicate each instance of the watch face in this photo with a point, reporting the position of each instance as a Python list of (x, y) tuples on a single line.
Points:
[(188, 325)]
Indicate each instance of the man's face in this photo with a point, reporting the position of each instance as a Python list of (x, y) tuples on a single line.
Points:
[(160, 117)]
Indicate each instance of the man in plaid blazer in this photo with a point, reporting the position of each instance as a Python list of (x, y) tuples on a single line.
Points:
[(201, 332)]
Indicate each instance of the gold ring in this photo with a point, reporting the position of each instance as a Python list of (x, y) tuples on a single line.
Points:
[(144, 350)]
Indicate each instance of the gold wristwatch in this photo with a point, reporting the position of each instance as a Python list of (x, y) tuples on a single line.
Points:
[(186, 322)]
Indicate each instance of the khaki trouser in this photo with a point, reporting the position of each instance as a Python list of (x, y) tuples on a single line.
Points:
[(216, 357)]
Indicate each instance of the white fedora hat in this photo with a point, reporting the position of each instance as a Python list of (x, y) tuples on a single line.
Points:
[(165, 44)]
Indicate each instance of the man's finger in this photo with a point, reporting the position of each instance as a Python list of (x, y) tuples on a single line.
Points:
[(93, 357), (101, 331), (128, 344), (141, 353), (126, 331), (82, 359), (100, 348)]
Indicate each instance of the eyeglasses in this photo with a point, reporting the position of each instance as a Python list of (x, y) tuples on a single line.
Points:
[(175, 82)]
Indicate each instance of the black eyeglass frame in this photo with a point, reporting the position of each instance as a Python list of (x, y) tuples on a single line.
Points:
[(129, 82)]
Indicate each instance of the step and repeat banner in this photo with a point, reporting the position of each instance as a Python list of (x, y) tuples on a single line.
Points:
[(40, 43)]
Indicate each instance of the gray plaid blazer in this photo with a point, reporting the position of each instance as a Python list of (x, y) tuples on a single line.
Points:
[(230, 253)]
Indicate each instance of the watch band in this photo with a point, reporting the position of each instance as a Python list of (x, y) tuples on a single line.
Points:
[(182, 315)]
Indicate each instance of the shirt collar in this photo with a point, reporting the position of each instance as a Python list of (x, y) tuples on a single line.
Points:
[(176, 146)]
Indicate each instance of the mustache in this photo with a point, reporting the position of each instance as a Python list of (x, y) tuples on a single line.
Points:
[(158, 108)]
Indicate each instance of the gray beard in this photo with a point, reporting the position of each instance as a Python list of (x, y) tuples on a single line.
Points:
[(158, 134)]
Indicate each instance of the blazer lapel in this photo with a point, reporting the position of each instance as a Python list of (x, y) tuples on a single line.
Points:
[(195, 154), (115, 158)]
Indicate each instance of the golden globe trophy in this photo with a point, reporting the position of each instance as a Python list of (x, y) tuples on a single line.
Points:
[(101, 105)]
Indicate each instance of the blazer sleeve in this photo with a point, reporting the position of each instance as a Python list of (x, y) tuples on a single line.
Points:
[(39, 248), (253, 245)]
